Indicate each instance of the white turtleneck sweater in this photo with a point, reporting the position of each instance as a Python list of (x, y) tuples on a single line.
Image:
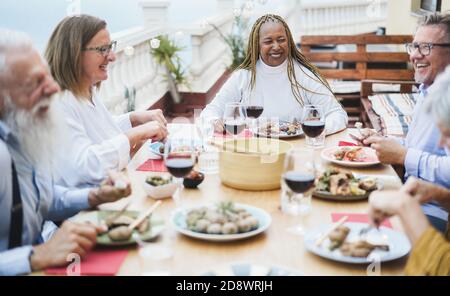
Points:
[(273, 90)]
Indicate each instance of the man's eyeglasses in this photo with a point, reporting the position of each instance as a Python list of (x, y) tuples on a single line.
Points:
[(424, 48), (103, 50)]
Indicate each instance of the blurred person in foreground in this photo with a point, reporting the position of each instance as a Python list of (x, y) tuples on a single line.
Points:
[(431, 249)]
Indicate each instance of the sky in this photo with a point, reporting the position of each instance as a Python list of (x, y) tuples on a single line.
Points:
[(39, 17)]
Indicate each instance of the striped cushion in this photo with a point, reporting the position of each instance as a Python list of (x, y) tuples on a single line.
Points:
[(395, 111)]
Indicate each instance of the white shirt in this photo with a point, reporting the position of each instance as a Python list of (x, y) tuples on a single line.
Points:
[(94, 142), (273, 91)]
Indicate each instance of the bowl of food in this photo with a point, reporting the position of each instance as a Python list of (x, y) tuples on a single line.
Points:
[(159, 187), (193, 179), (252, 164)]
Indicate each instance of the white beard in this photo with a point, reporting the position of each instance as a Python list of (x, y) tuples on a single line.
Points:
[(37, 134)]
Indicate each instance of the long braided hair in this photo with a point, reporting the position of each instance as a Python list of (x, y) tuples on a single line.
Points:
[(294, 54)]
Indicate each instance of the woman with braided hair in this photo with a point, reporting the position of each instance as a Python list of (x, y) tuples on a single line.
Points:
[(276, 75)]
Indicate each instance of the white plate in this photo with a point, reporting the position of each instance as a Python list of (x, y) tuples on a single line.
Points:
[(154, 147), (399, 244), (281, 135), (328, 155), (249, 269), (179, 221)]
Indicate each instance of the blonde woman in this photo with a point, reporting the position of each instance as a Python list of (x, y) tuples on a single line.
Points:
[(78, 53), (276, 75), (430, 254)]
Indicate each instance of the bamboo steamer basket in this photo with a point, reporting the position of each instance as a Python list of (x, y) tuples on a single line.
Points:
[(252, 164)]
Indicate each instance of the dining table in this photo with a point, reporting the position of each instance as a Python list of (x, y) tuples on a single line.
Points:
[(275, 247)]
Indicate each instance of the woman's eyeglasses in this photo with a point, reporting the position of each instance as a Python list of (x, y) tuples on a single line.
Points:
[(424, 48), (103, 50)]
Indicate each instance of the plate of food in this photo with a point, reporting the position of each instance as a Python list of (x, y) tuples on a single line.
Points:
[(281, 130), (347, 244), (157, 148), (148, 230), (249, 269), (341, 185), (225, 221), (351, 156)]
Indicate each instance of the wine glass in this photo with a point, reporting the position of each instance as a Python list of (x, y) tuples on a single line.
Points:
[(297, 185), (208, 160), (313, 125), (234, 118), (254, 106), (179, 158)]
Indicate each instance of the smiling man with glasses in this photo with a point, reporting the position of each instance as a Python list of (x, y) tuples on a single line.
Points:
[(419, 152), (424, 48)]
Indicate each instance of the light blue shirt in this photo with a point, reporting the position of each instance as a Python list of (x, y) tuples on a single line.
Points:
[(41, 201), (424, 158)]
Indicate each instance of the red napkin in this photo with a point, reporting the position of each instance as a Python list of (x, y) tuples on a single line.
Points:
[(98, 262), (245, 134), (343, 143), (152, 165), (362, 218)]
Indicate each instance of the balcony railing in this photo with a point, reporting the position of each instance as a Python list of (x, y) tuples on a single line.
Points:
[(209, 54)]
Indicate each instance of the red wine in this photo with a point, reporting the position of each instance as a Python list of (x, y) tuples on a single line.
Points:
[(313, 128), (254, 111), (234, 127), (299, 182), (179, 167)]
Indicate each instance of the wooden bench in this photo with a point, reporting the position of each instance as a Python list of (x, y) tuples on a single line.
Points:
[(387, 62), (369, 117)]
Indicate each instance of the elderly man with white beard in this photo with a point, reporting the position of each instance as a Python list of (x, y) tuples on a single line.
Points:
[(28, 197)]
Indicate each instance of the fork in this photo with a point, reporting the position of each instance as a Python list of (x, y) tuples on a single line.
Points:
[(359, 125)]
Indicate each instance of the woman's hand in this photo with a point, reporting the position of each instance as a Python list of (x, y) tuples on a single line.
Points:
[(141, 117), (218, 126), (113, 188), (384, 204), (151, 130)]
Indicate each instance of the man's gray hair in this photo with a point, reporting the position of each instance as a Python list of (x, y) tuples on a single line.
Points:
[(437, 19), (10, 42), (439, 103)]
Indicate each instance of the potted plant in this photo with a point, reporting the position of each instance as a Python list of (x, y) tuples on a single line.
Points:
[(166, 53), (235, 40)]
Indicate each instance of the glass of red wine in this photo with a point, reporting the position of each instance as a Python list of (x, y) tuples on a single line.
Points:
[(254, 107), (179, 159), (297, 181), (234, 119), (313, 125)]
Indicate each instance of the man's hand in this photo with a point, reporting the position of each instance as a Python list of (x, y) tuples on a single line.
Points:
[(388, 150), (141, 117), (365, 133), (113, 188), (425, 191), (70, 238)]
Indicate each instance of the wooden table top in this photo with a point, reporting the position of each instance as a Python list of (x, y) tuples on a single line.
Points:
[(275, 247)]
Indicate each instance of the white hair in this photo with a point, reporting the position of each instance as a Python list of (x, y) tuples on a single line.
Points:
[(31, 129), (11, 42), (439, 92)]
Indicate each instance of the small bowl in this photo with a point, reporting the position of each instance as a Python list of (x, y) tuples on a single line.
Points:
[(161, 191), (190, 182)]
